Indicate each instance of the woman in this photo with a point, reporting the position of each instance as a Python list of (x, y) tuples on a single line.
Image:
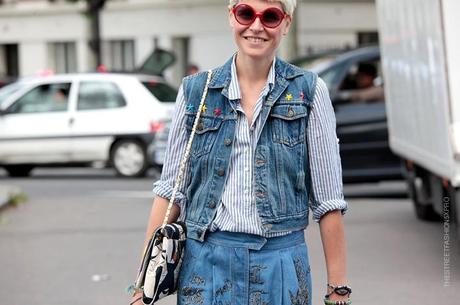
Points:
[(265, 152)]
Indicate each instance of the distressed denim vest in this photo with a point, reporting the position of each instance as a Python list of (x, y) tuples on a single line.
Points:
[(281, 167)]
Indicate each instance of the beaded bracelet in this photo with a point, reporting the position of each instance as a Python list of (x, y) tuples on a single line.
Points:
[(330, 302)]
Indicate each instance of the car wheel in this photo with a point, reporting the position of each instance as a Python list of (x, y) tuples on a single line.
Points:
[(129, 158), (420, 191), (18, 170)]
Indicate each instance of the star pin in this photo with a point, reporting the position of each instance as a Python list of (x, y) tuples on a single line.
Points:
[(204, 108), (189, 108), (289, 96), (217, 111)]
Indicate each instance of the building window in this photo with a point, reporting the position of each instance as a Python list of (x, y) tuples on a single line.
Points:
[(181, 47), (64, 57), (368, 38), (9, 60), (118, 55)]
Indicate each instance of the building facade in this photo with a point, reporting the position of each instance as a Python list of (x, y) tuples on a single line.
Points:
[(38, 35)]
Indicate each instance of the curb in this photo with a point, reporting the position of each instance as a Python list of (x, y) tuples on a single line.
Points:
[(6, 192)]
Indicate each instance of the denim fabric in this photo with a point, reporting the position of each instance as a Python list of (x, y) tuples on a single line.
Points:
[(231, 268), (281, 164)]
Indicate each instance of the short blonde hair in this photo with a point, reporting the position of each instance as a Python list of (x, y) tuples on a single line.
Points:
[(288, 5)]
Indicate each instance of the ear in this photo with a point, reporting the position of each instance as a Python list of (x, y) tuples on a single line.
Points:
[(288, 21)]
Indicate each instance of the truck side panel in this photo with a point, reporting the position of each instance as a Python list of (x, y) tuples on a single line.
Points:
[(451, 14), (416, 83)]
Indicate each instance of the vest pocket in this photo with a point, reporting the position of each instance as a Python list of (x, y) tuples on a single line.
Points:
[(289, 124), (205, 134)]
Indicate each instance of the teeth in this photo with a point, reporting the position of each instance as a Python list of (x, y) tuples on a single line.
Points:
[(254, 39)]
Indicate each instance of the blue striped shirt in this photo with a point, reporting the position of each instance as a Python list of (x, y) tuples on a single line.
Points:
[(237, 211)]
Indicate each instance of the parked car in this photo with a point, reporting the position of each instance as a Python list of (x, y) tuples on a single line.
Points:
[(361, 125), (83, 118)]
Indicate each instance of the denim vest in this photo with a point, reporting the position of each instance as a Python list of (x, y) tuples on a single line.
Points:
[(281, 166)]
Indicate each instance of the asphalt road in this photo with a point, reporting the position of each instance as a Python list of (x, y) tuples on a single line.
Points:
[(78, 240)]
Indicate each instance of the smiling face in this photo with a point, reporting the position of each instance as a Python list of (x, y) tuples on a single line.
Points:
[(255, 40)]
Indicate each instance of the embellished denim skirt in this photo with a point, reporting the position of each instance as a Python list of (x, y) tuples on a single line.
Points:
[(243, 269)]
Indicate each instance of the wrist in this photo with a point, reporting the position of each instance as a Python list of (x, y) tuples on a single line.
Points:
[(337, 294)]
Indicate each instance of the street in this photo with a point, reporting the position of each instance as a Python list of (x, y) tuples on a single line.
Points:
[(78, 238)]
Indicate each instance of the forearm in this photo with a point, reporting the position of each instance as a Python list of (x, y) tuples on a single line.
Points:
[(157, 215), (334, 246)]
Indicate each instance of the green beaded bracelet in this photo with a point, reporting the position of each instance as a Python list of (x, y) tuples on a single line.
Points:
[(330, 302)]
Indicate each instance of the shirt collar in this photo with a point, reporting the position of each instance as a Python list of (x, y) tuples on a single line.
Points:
[(234, 92)]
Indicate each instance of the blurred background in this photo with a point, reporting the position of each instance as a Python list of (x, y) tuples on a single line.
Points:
[(87, 92)]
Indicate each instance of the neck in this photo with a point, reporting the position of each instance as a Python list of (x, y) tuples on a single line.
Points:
[(252, 71)]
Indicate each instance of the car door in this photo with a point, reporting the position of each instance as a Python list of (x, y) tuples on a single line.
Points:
[(99, 115), (34, 128)]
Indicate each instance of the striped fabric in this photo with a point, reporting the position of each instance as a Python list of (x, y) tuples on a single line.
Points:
[(237, 211)]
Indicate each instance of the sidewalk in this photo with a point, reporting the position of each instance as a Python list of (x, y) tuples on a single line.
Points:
[(6, 192)]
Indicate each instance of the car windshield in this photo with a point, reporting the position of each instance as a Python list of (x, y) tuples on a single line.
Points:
[(162, 91), (8, 90)]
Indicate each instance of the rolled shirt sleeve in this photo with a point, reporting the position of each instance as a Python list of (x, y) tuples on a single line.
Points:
[(324, 157), (177, 142)]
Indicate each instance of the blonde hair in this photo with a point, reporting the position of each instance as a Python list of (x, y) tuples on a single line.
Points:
[(288, 5)]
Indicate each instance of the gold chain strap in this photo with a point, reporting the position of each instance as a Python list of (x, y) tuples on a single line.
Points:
[(180, 174)]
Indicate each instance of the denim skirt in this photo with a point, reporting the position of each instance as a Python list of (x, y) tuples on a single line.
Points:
[(240, 269)]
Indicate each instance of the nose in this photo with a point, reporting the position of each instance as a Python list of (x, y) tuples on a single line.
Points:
[(257, 26)]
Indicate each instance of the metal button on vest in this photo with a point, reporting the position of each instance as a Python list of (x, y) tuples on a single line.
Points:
[(290, 112), (212, 204), (268, 226), (227, 142), (221, 172), (199, 126)]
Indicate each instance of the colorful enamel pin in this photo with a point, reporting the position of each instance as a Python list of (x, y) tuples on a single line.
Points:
[(288, 96), (189, 108), (302, 95), (217, 111), (204, 108)]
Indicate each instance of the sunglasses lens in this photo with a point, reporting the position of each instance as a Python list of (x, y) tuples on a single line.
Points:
[(244, 14), (272, 18)]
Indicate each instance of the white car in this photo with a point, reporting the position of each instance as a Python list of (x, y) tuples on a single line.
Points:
[(83, 118)]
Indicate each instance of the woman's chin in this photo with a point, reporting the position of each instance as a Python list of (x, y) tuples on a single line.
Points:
[(255, 54)]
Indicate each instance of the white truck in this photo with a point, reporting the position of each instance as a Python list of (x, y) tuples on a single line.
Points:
[(420, 45)]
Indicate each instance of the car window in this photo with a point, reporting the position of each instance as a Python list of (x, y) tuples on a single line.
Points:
[(329, 75), (362, 83), (8, 90), (99, 95), (352, 78), (162, 91), (43, 98)]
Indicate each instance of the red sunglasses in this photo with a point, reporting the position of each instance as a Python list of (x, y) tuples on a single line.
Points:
[(270, 17)]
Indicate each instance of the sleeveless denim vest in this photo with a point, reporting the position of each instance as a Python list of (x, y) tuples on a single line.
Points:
[(281, 166)]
